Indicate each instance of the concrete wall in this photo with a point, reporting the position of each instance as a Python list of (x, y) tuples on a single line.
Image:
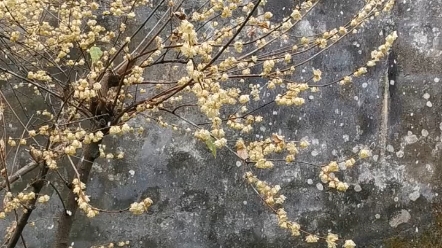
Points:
[(201, 201)]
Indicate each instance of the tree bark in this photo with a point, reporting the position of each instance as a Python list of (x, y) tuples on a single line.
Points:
[(65, 221)]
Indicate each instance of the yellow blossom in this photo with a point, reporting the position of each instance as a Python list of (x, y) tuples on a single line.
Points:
[(316, 75), (364, 153), (349, 244), (311, 238), (331, 240)]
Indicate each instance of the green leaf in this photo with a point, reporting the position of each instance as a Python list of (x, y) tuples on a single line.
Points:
[(95, 53), (211, 145)]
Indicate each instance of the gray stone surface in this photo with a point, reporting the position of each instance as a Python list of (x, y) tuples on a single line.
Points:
[(201, 201)]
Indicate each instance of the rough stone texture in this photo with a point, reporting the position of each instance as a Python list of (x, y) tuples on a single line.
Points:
[(201, 201)]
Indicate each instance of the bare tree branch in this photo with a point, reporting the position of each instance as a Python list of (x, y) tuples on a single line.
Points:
[(20, 173)]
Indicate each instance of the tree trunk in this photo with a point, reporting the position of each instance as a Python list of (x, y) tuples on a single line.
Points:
[(37, 187), (65, 221)]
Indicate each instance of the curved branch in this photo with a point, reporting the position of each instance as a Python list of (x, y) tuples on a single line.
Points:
[(21, 172)]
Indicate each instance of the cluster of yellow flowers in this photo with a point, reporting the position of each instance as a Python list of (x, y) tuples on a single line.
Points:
[(103, 154), (83, 91), (364, 153), (43, 199), (270, 194), (39, 75), (216, 132), (117, 130), (77, 136), (349, 244), (50, 158), (119, 7), (284, 223), (272, 198), (382, 50), (327, 173), (74, 140), (256, 151), (202, 134), (211, 102), (327, 176), (11, 203), (311, 238), (12, 142), (317, 75), (389, 5), (291, 96), (332, 238), (189, 37), (371, 8), (5, 76), (72, 148), (92, 137), (267, 66), (83, 199), (376, 56), (102, 148), (138, 208), (135, 76)]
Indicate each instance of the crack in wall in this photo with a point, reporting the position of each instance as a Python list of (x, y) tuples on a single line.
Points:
[(384, 116), (389, 86)]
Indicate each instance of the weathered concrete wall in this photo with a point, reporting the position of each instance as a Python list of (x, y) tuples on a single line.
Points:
[(393, 200)]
